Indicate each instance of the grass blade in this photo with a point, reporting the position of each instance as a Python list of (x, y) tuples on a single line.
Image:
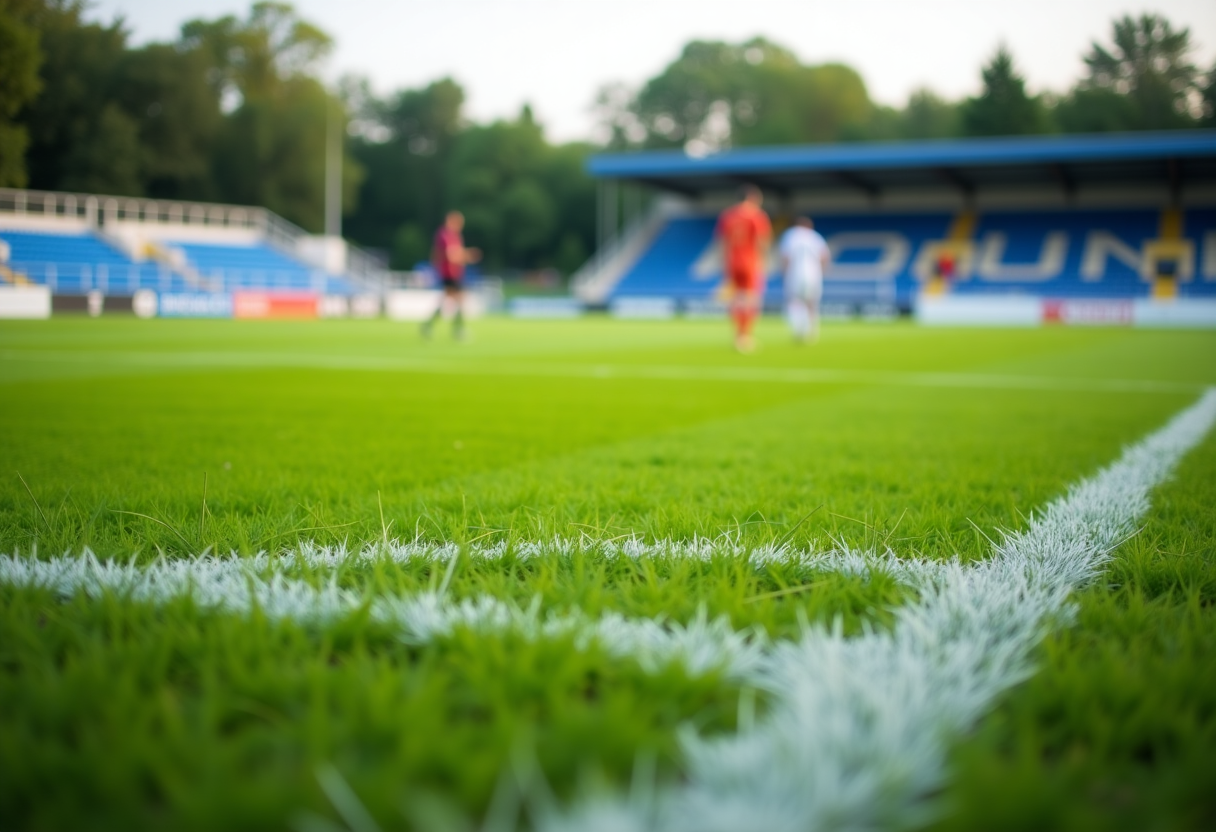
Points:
[(35, 499), (180, 537)]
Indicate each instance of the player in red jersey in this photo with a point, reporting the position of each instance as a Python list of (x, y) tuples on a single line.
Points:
[(744, 233), (449, 257)]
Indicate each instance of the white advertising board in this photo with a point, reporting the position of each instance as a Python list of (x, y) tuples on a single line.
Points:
[(997, 310), (657, 308), (420, 304), (979, 311), (1188, 314), (25, 302)]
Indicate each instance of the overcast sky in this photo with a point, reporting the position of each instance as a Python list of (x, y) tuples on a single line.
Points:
[(556, 54)]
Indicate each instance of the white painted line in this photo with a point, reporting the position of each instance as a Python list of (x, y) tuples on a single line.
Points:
[(265, 582), (241, 585), (856, 735), (773, 375)]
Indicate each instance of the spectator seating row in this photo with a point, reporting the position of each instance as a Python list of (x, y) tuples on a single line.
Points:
[(80, 262), (1059, 253)]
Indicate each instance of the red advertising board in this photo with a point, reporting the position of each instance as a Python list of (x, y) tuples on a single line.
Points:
[(274, 304)]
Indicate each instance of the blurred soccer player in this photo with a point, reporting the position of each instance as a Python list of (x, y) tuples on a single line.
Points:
[(744, 233), (804, 259), (449, 256)]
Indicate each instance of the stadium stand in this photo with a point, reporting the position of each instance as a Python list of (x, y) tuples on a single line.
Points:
[(78, 263), (257, 266), (80, 243), (83, 262), (1082, 217), (1064, 253)]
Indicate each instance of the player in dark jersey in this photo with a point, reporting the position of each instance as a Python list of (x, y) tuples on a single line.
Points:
[(449, 256), (744, 232)]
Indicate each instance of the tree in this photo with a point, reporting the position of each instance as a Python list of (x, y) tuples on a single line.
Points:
[(1003, 108), (795, 103), (253, 57), (20, 59), (270, 150), (563, 175), (1207, 93), (426, 120), (617, 126), (928, 116), (717, 95), (177, 118), (1089, 110), (492, 178), (1143, 81), (404, 142), (80, 137), (411, 246), (527, 203)]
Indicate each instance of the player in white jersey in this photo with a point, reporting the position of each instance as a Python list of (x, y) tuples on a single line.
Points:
[(804, 259)]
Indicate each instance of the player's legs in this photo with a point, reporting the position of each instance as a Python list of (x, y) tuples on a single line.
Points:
[(746, 307), (746, 310), (813, 296), (457, 298), (450, 299), (429, 324), (796, 314)]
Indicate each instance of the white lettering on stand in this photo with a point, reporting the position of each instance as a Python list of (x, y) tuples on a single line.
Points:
[(1100, 246), (893, 251), (991, 267)]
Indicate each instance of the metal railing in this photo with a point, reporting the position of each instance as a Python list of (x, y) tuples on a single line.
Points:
[(367, 270), (594, 280), (85, 277), (49, 204), (99, 209)]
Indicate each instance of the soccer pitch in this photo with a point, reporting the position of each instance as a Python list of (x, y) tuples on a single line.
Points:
[(603, 574)]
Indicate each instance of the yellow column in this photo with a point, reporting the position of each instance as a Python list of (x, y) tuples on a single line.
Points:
[(1167, 246)]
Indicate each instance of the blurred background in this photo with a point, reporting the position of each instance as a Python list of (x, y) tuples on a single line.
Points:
[(229, 103)]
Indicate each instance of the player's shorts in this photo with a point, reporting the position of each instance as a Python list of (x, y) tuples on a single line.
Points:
[(808, 290), (453, 284), (745, 279)]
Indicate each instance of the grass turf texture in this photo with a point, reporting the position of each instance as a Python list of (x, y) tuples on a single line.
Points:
[(125, 716)]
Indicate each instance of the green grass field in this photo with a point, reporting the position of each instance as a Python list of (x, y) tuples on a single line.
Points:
[(153, 439)]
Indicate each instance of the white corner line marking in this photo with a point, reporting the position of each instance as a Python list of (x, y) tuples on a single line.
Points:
[(855, 736)]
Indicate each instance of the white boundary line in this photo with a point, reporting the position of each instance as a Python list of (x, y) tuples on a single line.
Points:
[(780, 375), (855, 738), (264, 582), (243, 585)]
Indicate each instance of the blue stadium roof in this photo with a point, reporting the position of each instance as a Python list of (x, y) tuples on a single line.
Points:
[(1068, 161)]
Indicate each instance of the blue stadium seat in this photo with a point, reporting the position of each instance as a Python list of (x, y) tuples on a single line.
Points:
[(1200, 226), (80, 262), (76, 262), (1049, 253), (1026, 234), (667, 267), (257, 266)]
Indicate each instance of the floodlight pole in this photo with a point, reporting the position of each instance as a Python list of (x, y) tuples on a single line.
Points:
[(333, 171)]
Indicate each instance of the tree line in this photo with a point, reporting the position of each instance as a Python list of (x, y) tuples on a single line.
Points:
[(717, 95), (230, 111), (234, 110)]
